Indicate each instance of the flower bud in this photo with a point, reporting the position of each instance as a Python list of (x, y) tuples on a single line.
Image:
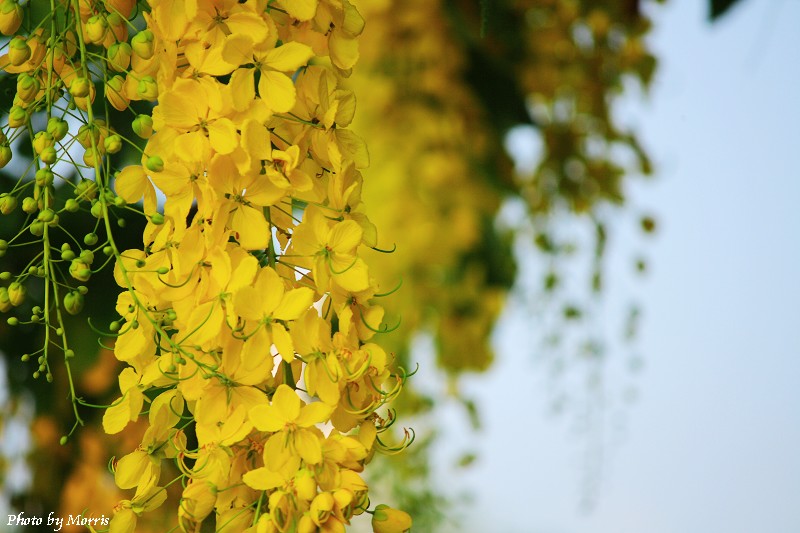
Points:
[(143, 126), (119, 56), (87, 256), (97, 210), (83, 102), (57, 127), (115, 95), (73, 302), (142, 44), (5, 302), (88, 135), (30, 205), (27, 87), (79, 87), (44, 177), (80, 270), (18, 51), (113, 144), (388, 520), (154, 163), (46, 215), (48, 155), (17, 117), (91, 157), (5, 155), (42, 140), (16, 293), (86, 190), (36, 228), (72, 205), (147, 88), (96, 28), (7, 203), (10, 17)]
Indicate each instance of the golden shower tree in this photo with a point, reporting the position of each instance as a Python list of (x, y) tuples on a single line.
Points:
[(189, 175)]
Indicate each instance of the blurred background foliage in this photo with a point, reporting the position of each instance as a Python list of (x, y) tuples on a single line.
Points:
[(440, 85)]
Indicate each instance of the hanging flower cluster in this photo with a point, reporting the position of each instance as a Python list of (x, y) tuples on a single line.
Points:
[(248, 315)]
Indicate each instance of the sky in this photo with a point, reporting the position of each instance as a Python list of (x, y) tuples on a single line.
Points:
[(712, 442)]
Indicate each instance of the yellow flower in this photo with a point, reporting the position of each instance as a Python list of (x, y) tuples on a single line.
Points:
[(274, 86), (267, 302), (197, 109), (291, 421), (333, 250), (127, 408)]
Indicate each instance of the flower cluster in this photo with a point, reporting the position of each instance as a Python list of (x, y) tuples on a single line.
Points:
[(248, 314)]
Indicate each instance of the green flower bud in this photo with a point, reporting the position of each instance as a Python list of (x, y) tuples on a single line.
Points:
[(37, 229), (91, 157), (16, 293), (154, 163), (57, 128), (157, 219), (46, 215), (7, 203), (113, 144), (90, 239), (29, 205), (147, 89), (48, 155), (142, 44), (42, 140), (80, 270), (72, 205), (79, 87), (44, 177), (67, 255), (143, 126), (119, 56), (97, 210), (73, 302), (87, 256), (5, 301), (5, 155), (27, 87), (17, 117), (18, 51), (86, 190), (96, 28)]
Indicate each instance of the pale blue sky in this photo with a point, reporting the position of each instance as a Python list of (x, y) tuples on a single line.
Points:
[(713, 442)]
